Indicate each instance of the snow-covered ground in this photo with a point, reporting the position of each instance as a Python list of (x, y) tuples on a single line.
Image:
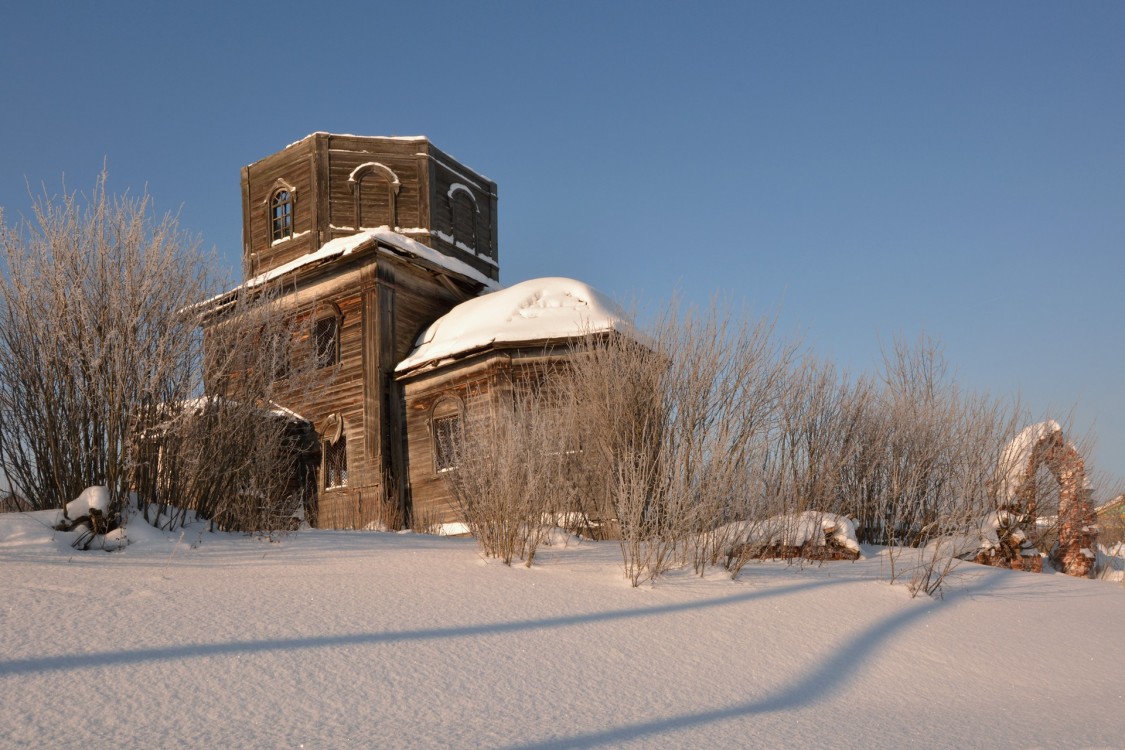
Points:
[(360, 639)]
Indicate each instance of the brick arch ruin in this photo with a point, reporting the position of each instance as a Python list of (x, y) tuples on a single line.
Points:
[(1044, 445)]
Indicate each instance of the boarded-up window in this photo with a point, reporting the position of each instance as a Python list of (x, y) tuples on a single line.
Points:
[(327, 337), (336, 463), (375, 189), (464, 212), (281, 215)]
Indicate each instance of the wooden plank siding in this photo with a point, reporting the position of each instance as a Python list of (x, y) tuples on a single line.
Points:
[(384, 303), (319, 168), (481, 383), (339, 391), (260, 180), (474, 388)]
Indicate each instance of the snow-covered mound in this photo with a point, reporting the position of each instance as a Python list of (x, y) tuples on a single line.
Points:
[(545, 309), (92, 498), (998, 532), (1003, 526), (800, 529)]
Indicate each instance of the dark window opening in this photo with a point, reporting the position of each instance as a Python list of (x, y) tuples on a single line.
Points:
[(327, 336), (336, 463), (279, 356)]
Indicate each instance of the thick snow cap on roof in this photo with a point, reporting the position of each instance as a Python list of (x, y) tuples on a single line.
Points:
[(537, 310), (342, 246)]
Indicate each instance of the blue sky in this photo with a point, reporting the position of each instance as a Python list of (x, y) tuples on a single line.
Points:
[(865, 170)]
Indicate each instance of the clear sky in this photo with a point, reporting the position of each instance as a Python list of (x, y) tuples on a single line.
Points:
[(867, 169)]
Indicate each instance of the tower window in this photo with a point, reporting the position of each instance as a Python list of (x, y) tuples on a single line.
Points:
[(374, 189), (463, 212), (281, 215)]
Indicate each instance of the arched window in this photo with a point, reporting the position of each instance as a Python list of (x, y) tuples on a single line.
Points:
[(334, 451), (336, 463), (375, 190), (281, 214), (326, 336), (447, 425), (463, 212)]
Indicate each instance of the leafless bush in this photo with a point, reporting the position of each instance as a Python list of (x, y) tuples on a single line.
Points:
[(234, 456), (511, 464), (101, 358), (90, 337), (704, 425), (675, 423), (936, 473)]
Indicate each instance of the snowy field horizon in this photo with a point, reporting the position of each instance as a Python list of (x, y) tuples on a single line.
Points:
[(368, 639)]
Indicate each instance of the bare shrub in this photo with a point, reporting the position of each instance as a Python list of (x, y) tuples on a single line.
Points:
[(510, 467), (674, 424), (101, 359), (91, 337), (937, 472), (235, 456)]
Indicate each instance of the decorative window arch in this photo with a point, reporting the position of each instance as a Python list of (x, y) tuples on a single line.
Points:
[(326, 334), (334, 453), (447, 428), (281, 204), (366, 182), (463, 211)]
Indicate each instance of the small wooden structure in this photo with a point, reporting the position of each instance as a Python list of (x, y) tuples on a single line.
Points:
[(469, 361)]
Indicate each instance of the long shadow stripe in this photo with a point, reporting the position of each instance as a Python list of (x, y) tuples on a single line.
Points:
[(64, 662)]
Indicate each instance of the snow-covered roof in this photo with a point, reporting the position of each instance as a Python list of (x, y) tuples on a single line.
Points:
[(353, 135), (343, 246), (546, 309)]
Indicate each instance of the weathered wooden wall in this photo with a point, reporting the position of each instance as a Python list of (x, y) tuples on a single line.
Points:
[(320, 169), (384, 302), (473, 386), (296, 167)]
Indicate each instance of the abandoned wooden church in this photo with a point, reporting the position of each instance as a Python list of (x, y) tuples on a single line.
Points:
[(386, 244)]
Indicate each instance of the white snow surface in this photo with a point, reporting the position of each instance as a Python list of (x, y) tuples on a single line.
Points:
[(546, 309), (1015, 456), (324, 639)]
